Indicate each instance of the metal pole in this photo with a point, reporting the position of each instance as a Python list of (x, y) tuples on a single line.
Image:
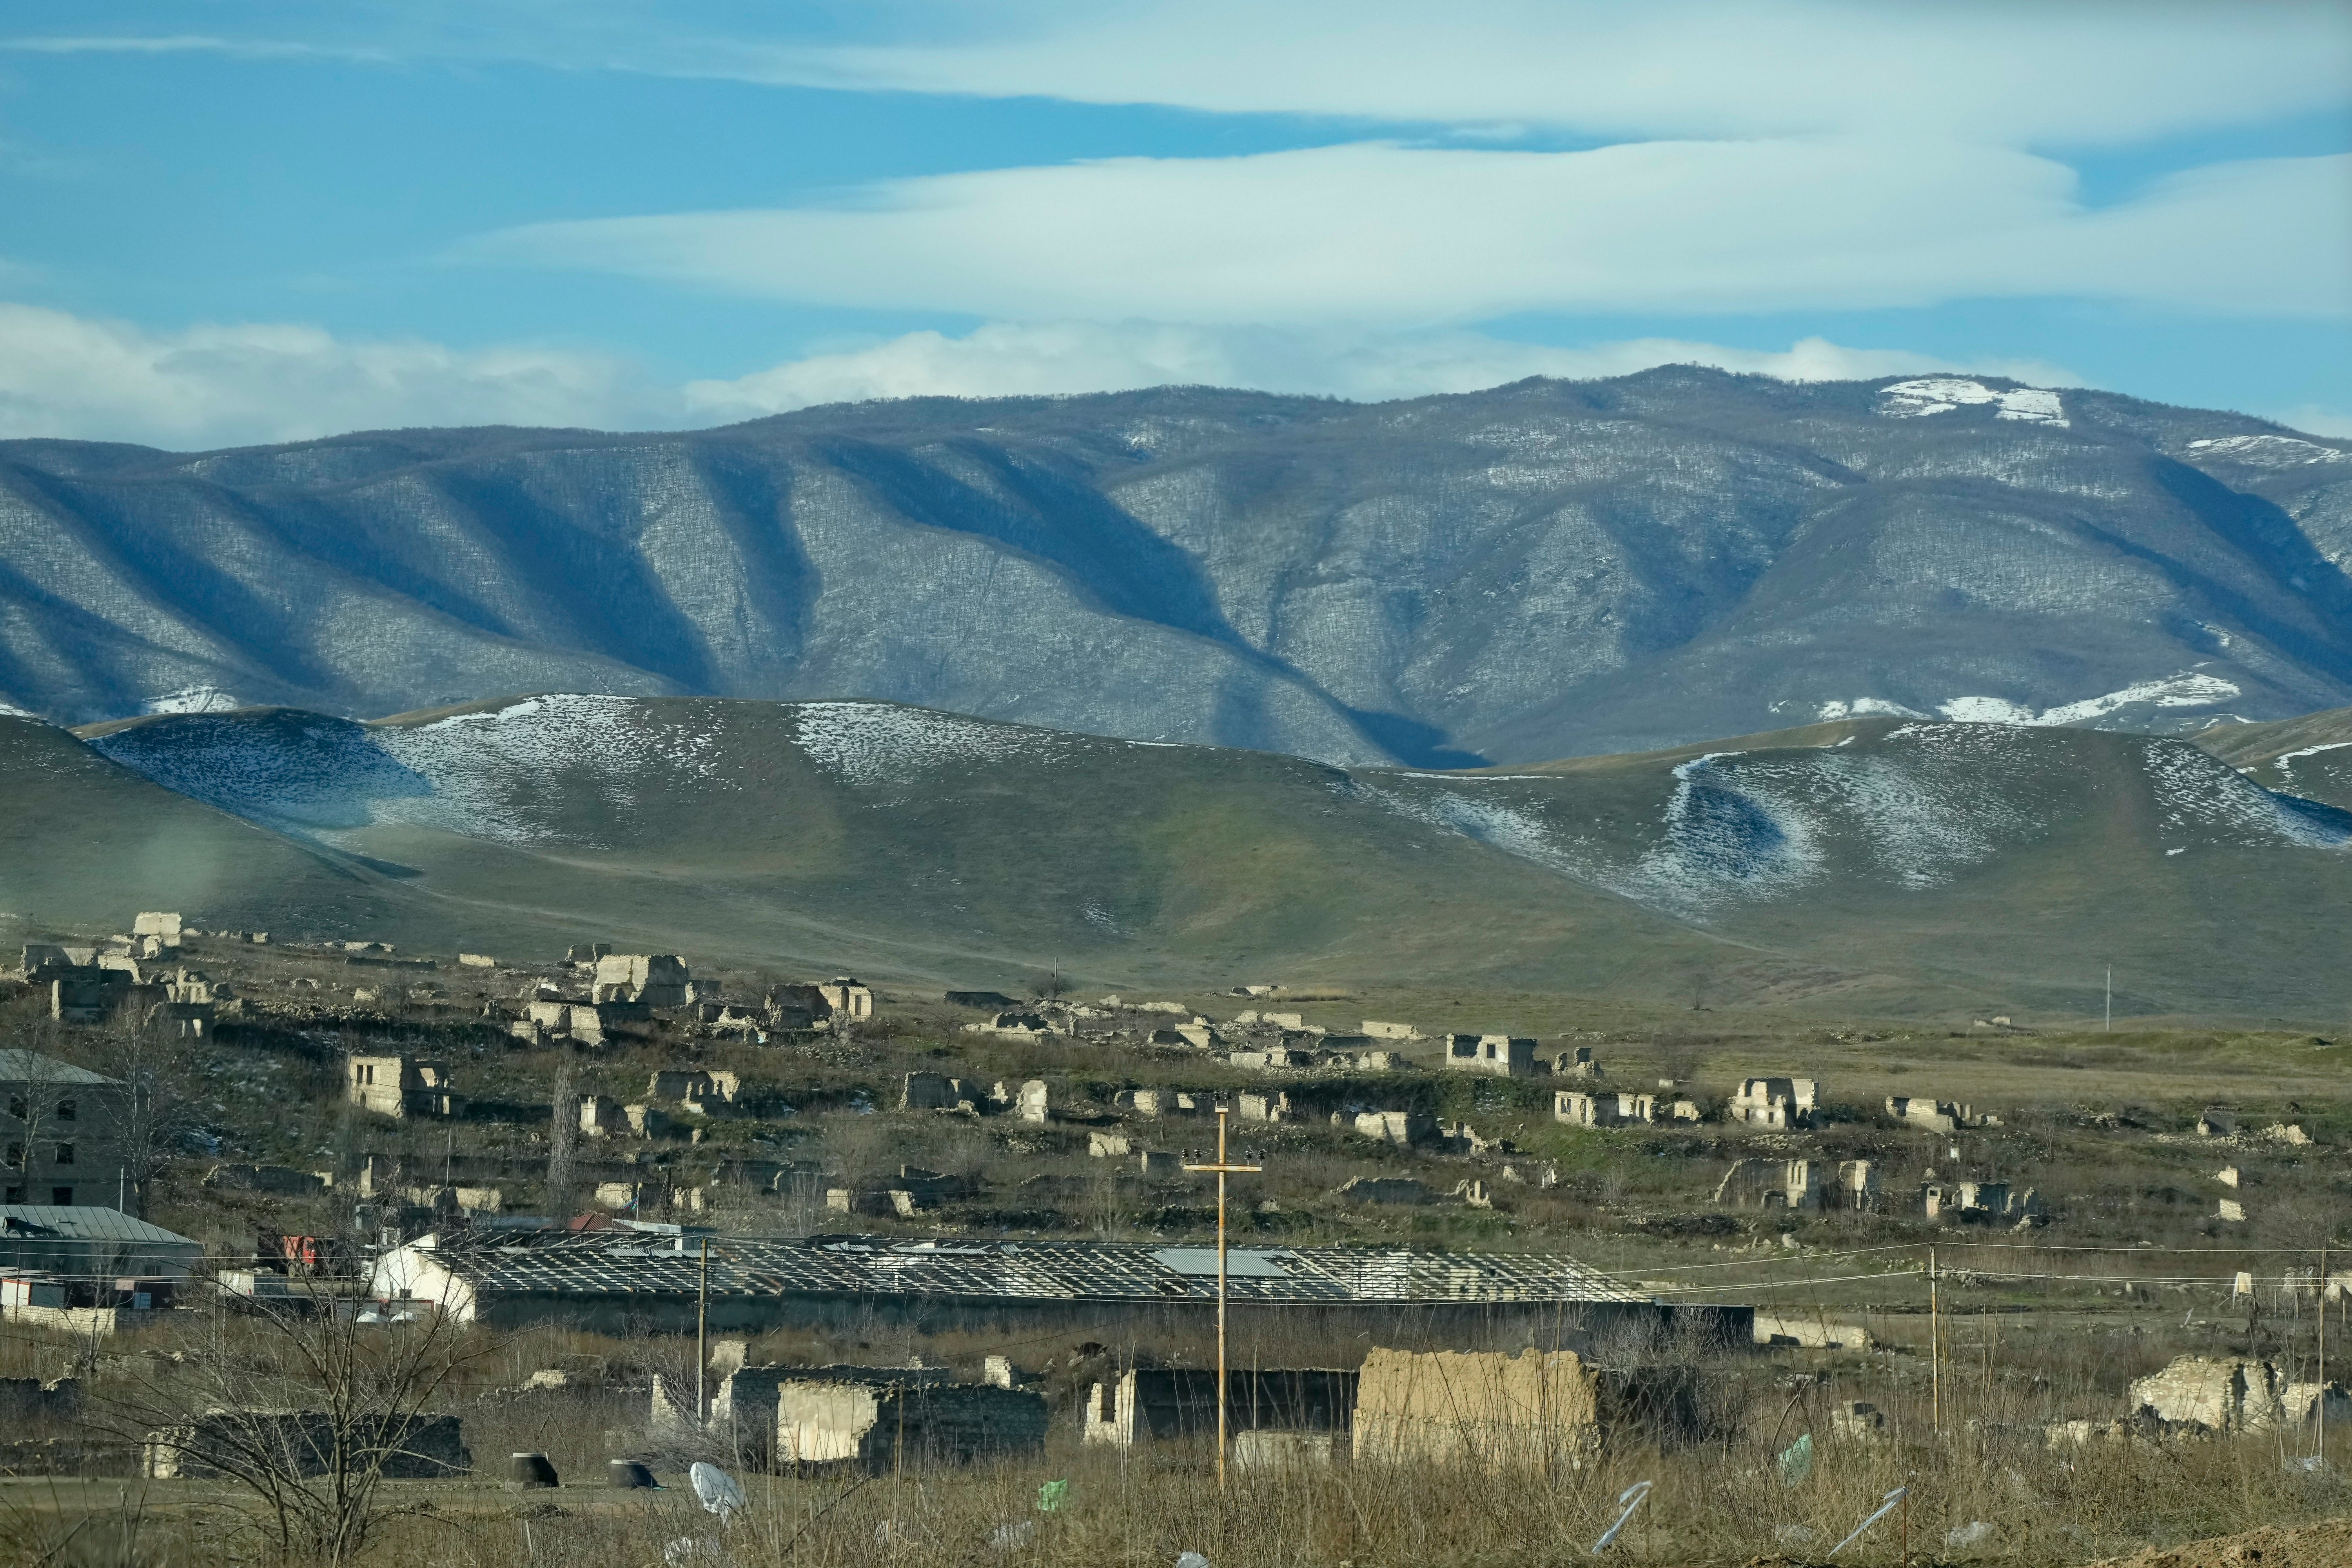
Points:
[(2323, 1352), (702, 1335)]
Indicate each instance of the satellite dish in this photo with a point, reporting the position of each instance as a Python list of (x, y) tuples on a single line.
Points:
[(716, 1488)]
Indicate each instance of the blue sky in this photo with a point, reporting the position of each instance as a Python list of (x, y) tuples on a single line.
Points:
[(242, 222)]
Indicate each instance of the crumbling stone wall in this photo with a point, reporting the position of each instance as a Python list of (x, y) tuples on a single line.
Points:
[(1534, 1408), (301, 1442), (876, 1420)]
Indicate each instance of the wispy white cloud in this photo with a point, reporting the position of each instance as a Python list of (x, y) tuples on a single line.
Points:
[(66, 375), (62, 375), (1006, 359), (1388, 234), (1996, 71), (185, 44), (2315, 419)]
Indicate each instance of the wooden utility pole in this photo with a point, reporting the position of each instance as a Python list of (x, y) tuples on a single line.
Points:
[(1935, 1354), (2323, 1352), (1224, 1167), (702, 1336)]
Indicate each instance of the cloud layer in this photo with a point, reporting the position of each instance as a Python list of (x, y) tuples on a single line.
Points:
[(64, 375), (1989, 72), (69, 375), (1379, 234)]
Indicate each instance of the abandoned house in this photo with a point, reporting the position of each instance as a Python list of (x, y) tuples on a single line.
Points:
[(822, 1004), (651, 980), (1167, 1404), (1936, 1115), (1981, 1202), (1579, 1110), (1799, 1184), (609, 1281), (1779, 1102), (1535, 1409), (2237, 1395), (1507, 1056), (871, 1419), (1403, 1128), (61, 1131), (698, 1091), (305, 1443), (401, 1086)]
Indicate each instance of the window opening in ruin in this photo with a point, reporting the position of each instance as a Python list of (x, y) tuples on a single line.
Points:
[(61, 1197), (65, 1110), (65, 1155)]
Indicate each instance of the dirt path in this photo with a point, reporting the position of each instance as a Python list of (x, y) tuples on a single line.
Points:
[(2326, 1545)]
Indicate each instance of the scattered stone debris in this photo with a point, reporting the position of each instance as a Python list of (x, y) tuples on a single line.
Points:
[(2234, 1395)]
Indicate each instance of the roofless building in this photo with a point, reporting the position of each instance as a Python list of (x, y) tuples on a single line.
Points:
[(862, 1287)]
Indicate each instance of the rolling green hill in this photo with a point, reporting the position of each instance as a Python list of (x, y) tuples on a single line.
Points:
[(1865, 866), (2309, 756)]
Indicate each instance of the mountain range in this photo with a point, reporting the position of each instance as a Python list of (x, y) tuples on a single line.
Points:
[(1873, 866), (1542, 571)]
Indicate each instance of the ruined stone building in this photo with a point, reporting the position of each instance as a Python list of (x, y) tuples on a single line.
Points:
[(1981, 1202), (1779, 1102), (60, 1132), (652, 979), (1506, 1056), (869, 1420), (1169, 1403), (2236, 1394), (401, 1086), (1766, 1183), (822, 1004), (1936, 1115), (1580, 1110)]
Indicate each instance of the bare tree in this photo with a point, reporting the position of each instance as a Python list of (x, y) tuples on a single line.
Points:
[(39, 1099), (155, 1109), (304, 1410)]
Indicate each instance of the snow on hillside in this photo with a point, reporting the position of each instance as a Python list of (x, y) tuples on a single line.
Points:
[(868, 744), (2189, 690), (1942, 394), (498, 776), (1924, 803), (2262, 451), (489, 771)]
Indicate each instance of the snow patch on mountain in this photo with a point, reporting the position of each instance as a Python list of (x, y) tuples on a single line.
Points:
[(2203, 797), (1868, 708), (481, 765), (302, 772), (2175, 691), (868, 744), (192, 700), (1942, 394), (2262, 451), (2285, 761), (480, 775)]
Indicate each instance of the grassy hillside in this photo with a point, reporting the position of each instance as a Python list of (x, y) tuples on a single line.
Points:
[(2309, 756), (1869, 865)]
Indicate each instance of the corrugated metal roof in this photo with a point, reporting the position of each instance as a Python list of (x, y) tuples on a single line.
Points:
[(18, 1065), (90, 1223), (595, 1263)]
